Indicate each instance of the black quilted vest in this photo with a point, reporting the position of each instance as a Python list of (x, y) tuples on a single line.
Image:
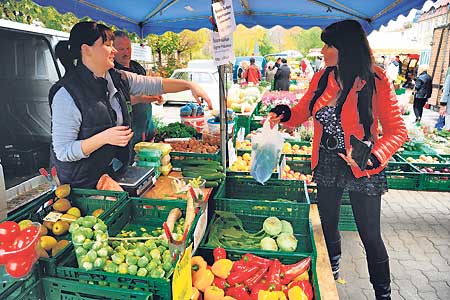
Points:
[(90, 95)]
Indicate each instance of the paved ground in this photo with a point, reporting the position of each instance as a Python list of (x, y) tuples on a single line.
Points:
[(416, 231)]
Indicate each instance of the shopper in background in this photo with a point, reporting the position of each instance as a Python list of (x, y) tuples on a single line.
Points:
[(399, 62), (351, 97), (423, 89), (90, 113), (445, 107), (252, 73), (282, 76), (278, 63), (270, 71)]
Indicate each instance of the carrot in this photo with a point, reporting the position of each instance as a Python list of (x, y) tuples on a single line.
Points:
[(173, 216), (190, 211)]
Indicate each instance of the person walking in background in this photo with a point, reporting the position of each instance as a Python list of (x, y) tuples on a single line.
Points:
[(278, 63), (270, 71), (282, 76), (350, 98), (91, 120), (423, 89), (444, 110), (252, 73), (142, 124), (399, 62)]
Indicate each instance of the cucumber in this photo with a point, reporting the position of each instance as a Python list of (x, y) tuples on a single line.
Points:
[(209, 176), (197, 162), (211, 184), (201, 169)]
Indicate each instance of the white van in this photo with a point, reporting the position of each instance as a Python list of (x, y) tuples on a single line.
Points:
[(29, 69)]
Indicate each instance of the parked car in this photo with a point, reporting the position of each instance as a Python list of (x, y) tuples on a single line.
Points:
[(208, 79), (260, 61)]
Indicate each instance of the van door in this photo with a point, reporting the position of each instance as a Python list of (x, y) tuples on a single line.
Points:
[(28, 70)]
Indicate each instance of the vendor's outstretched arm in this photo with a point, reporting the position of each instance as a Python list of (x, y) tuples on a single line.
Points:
[(177, 85)]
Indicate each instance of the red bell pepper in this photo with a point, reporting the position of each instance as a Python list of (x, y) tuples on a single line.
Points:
[(241, 276), (239, 266), (289, 272), (220, 283), (305, 285), (238, 292), (219, 253), (256, 260), (273, 275), (255, 278)]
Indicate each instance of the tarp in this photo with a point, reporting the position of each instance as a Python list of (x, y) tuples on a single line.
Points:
[(158, 16)]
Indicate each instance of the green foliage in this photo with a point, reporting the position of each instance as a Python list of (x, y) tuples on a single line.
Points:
[(308, 39), (265, 46)]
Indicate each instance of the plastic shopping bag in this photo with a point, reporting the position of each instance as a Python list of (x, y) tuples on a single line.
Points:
[(266, 151), (440, 123)]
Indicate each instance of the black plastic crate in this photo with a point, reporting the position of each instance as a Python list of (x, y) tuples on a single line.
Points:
[(23, 158)]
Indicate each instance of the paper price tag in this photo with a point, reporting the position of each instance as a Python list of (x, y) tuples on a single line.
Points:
[(224, 15), (53, 216), (232, 157), (222, 48), (200, 229), (182, 278)]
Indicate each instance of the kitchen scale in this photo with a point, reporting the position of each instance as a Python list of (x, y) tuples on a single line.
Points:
[(137, 180)]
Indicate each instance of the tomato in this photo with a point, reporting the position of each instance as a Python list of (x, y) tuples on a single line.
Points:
[(8, 231), (18, 266), (5, 252)]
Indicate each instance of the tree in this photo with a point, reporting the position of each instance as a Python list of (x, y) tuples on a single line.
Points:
[(265, 46), (308, 39)]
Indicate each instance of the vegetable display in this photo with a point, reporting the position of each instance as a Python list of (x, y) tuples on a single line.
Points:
[(175, 130), (227, 231), (250, 278)]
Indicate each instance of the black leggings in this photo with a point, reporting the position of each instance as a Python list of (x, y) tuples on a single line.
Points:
[(418, 105), (366, 210)]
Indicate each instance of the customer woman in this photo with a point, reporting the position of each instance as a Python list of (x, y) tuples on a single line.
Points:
[(351, 97), (91, 123)]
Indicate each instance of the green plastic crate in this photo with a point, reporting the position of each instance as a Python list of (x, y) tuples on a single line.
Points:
[(236, 255), (437, 180), (302, 231), (60, 289), (346, 218), (25, 289), (131, 215), (85, 199), (440, 160), (402, 176), (177, 157), (273, 189)]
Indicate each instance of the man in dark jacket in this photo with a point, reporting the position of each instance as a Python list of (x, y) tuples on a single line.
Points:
[(422, 91), (282, 76)]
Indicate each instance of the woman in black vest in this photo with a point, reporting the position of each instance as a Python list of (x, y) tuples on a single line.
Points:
[(91, 106)]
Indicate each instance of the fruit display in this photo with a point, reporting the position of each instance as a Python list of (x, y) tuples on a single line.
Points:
[(250, 277), (296, 149), (242, 164), (18, 247), (244, 145), (423, 159), (289, 174), (193, 145), (243, 100)]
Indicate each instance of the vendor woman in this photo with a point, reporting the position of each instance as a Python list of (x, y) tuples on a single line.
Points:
[(91, 123)]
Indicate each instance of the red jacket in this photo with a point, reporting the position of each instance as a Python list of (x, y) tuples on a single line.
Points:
[(385, 111), (252, 74)]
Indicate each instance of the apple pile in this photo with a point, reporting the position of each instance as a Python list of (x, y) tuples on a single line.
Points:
[(423, 159), (290, 174), (18, 248)]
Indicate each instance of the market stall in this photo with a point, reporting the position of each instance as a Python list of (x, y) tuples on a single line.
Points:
[(120, 253)]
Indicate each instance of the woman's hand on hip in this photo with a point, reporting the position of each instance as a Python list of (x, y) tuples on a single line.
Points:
[(117, 136)]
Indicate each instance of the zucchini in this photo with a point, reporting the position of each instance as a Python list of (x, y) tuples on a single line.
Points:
[(201, 169), (211, 184), (209, 176), (196, 162)]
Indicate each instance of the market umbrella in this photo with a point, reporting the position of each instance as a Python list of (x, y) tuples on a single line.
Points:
[(158, 16)]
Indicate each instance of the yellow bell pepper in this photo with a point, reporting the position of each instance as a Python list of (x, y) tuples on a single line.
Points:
[(198, 263), (202, 279), (195, 294), (222, 268), (296, 293), (214, 293), (303, 276), (274, 295)]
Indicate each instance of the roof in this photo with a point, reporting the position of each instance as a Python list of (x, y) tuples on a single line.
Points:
[(158, 16)]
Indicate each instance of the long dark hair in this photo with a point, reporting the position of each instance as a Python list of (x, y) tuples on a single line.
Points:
[(82, 33), (355, 59)]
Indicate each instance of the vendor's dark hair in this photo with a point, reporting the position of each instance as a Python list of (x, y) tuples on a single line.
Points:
[(355, 59), (82, 33)]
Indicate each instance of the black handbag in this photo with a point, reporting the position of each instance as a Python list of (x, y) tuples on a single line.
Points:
[(360, 152)]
